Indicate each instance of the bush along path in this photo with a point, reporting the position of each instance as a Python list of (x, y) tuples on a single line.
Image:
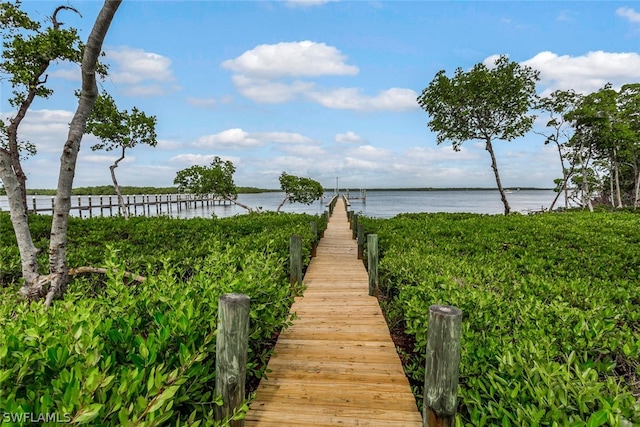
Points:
[(117, 352), (551, 303)]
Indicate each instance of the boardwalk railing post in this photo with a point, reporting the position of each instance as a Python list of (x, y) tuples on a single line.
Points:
[(295, 259), (314, 243), (232, 345), (360, 240), (354, 226), (441, 366), (372, 261)]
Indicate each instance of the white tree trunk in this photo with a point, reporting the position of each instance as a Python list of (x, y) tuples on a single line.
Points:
[(88, 96), (20, 220), (616, 166), (586, 194), (112, 168)]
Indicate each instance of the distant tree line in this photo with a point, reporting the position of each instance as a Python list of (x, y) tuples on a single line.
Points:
[(109, 190)]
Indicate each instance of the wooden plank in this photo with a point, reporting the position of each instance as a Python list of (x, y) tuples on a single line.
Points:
[(336, 365)]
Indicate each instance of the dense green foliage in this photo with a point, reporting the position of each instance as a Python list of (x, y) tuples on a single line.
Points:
[(119, 353), (551, 326)]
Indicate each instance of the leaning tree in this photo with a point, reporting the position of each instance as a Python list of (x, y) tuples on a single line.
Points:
[(216, 179), (299, 189), (557, 106), (28, 50), (484, 103)]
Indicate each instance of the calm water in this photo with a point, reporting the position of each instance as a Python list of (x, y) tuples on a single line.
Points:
[(381, 204)]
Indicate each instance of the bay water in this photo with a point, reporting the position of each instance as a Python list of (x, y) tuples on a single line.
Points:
[(378, 203)]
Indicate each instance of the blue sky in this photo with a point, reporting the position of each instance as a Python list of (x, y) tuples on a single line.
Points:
[(322, 89)]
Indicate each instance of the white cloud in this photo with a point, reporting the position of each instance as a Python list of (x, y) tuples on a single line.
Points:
[(303, 150), (200, 159), (68, 72), (147, 73), (566, 15), (395, 99), (167, 145), (348, 137), (291, 164), (47, 129), (230, 139), (273, 74), (284, 138), (585, 73), (629, 13), (444, 153), (291, 59), (238, 139), (104, 159), (307, 3), (268, 91), (356, 164), (369, 152)]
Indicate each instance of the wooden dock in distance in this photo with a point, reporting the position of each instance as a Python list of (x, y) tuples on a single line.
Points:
[(337, 365)]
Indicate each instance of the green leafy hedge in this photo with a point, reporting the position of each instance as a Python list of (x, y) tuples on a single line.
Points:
[(118, 353), (551, 325)]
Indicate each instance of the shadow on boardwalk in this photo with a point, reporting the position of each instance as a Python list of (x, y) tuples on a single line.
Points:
[(337, 364)]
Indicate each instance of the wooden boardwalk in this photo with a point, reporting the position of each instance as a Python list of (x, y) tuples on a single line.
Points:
[(337, 364)]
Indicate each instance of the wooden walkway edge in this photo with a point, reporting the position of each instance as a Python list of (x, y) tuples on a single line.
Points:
[(337, 365)]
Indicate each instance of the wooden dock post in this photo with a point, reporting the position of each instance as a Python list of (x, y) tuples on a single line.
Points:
[(295, 259), (314, 243), (372, 263), (441, 366), (232, 344), (354, 226), (360, 232)]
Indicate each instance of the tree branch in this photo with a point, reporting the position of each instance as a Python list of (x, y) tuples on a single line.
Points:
[(86, 269), (54, 16)]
